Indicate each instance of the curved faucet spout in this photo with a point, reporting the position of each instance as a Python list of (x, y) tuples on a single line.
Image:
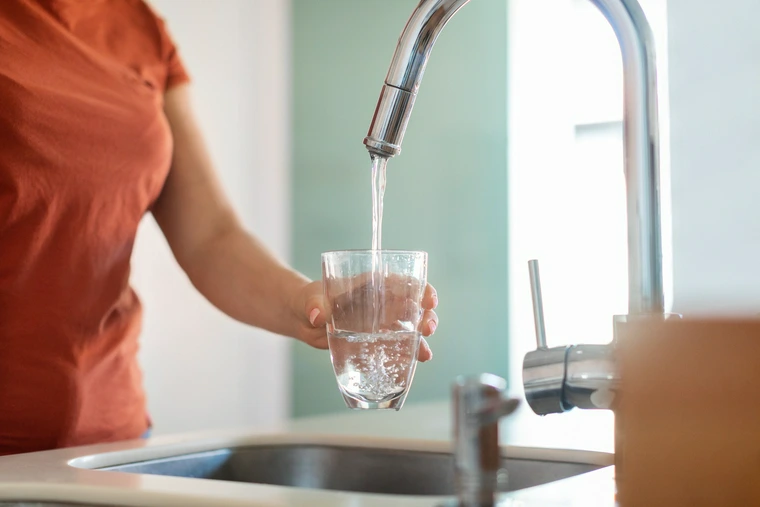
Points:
[(641, 135), (405, 73)]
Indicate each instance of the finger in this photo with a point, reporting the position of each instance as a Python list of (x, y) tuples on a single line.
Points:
[(425, 353), (316, 338), (319, 342), (317, 311), (429, 322), (430, 299)]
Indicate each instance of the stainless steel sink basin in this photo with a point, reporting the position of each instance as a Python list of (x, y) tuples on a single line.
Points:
[(345, 468)]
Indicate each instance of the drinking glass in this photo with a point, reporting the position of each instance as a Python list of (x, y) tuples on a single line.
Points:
[(373, 331)]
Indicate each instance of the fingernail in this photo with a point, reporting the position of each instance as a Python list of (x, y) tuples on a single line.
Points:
[(435, 300), (432, 326), (313, 316)]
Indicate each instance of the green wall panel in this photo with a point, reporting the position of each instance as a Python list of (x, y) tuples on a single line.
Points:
[(446, 192)]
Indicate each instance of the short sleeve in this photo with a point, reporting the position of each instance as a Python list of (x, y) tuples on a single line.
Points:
[(175, 70), (176, 73)]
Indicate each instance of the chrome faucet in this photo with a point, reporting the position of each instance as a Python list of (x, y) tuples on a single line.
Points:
[(560, 378), (478, 404)]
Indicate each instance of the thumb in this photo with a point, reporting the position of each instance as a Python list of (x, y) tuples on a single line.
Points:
[(315, 306)]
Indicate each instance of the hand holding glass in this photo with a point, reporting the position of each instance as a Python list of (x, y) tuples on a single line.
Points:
[(373, 332)]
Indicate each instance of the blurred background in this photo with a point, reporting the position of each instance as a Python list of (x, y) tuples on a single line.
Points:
[(514, 151)]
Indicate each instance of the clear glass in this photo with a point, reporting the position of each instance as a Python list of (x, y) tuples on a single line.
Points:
[(375, 298)]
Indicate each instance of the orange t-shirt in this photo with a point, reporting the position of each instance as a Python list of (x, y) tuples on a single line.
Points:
[(85, 149)]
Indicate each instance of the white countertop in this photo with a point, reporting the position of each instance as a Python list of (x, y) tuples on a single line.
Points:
[(49, 476)]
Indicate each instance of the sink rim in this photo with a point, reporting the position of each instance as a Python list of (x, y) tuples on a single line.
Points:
[(98, 461), (70, 473), (348, 469)]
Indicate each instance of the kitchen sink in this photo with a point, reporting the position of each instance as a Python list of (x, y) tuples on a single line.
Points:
[(345, 468)]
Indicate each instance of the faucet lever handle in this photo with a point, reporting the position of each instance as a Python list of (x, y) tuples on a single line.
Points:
[(538, 304), (491, 412)]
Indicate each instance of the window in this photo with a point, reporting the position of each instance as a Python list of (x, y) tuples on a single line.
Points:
[(566, 184)]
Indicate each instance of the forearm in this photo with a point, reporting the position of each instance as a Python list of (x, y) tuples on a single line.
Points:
[(242, 278)]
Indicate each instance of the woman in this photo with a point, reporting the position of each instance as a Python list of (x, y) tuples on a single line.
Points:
[(96, 129)]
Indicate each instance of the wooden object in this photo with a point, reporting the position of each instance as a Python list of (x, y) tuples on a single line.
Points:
[(688, 414)]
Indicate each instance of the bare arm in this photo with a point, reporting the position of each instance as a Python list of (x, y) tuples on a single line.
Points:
[(231, 268)]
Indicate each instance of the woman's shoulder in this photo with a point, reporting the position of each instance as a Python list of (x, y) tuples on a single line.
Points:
[(149, 31)]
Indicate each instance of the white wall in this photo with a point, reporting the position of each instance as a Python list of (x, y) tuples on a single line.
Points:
[(566, 180), (202, 369), (709, 77), (715, 154)]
